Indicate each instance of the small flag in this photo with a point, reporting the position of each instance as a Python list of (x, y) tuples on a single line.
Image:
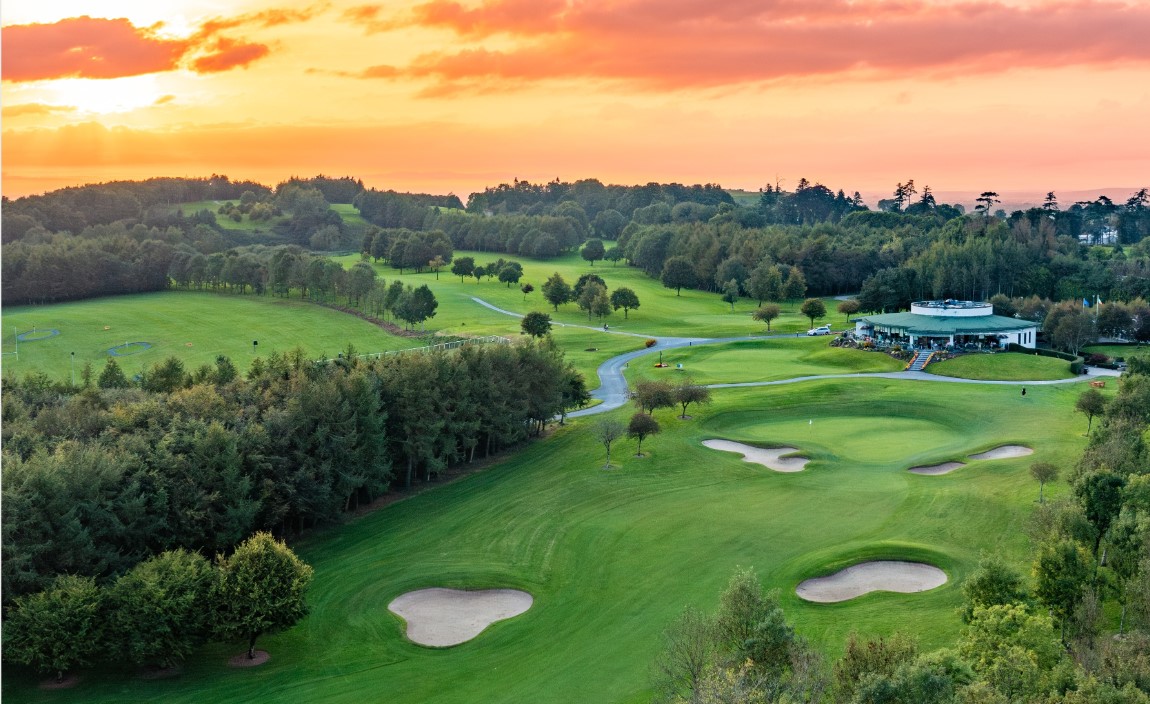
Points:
[(811, 421), (1086, 302)]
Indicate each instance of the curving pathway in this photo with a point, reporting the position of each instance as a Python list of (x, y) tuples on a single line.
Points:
[(613, 393)]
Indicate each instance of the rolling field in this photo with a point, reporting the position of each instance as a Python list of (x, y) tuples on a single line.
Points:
[(611, 557), (192, 326), (661, 312)]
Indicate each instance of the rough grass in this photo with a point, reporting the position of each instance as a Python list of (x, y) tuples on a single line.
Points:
[(194, 326), (1004, 366), (612, 557)]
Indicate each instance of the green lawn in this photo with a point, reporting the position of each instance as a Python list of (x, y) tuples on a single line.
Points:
[(661, 312), (766, 360), (192, 326), (612, 557), (1114, 351), (1007, 366)]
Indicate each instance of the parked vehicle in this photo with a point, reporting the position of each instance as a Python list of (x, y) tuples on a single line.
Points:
[(821, 330)]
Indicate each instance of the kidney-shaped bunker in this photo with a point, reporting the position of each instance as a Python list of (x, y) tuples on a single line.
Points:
[(442, 617), (866, 577)]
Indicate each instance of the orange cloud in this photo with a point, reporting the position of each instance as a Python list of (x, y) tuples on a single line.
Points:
[(35, 109), (228, 54), (705, 43), (86, 47)]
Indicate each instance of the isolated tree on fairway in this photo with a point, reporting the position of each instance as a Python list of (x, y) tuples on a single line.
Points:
[(624, 298), (463, 267), (160, 608), (795, 286), (478, 272), (731, 292), (641, 426), (688, 392), (848, 307), (112, 377), (1092, 403), (650, 395), (57, 629), (261, 589), (556, 291), (1043, 472), (536, 324), (593, 250), (678, 272), (423, 304), (814, 309), (607, 432), (766, 313), (526, 289), (601, 305), (435, 264), (511, 273)]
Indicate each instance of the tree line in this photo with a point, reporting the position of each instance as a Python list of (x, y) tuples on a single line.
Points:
[(158, 612), (103, 476)]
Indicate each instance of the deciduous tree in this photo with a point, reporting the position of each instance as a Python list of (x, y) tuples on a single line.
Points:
[(57, 629), (640, 427), (536, 324), (1043, 472), (607, 432), (814, 309), (688, 392), (593, 250), (678, 273), (624, 298), (766, 313), (556, 291), (262, 588)]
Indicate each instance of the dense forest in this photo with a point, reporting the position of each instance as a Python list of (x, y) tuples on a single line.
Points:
[(126, 237), (104, 475)]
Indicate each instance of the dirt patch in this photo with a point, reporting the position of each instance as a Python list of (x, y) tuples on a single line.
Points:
[(1005, 452), (242, 660), (934, 470), (771, 458), (444, 617), (866, 577)]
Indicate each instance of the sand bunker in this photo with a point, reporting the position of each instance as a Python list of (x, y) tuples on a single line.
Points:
[(772, 458), (1005, 452), (881, 575), (936, 469), (443, 617)]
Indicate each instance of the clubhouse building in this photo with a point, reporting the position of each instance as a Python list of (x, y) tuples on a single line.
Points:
[(948, 323)]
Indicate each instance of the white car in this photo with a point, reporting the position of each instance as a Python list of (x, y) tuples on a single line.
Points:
[(821, 330)]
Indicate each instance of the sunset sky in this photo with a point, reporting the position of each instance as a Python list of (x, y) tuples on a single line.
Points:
[(438, 95)]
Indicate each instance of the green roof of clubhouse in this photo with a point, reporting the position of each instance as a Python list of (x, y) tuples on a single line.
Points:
[(945, 326)]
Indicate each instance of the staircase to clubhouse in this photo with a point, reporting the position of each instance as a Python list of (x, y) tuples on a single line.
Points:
[(921, 359)]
